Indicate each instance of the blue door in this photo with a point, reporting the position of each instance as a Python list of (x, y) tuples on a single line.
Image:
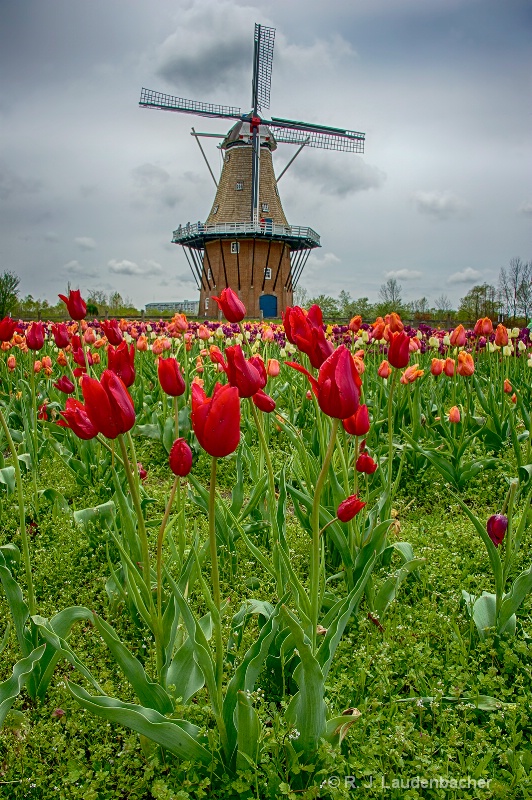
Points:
[(268, 305)]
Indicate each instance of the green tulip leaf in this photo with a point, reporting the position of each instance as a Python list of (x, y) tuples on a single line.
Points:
[(10, 689), (176, 735)]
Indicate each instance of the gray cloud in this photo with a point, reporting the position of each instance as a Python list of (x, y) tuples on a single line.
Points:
[(467, 275), (526, 208), (404, 274), (154, 185), (85, 243), (439, 205), (13, 185), (75, 268), (126, 267), (336, 178)]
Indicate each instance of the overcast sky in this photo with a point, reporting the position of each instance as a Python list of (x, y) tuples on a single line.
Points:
[(92, 186)]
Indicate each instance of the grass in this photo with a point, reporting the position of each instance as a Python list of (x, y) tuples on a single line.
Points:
[(425, 647)]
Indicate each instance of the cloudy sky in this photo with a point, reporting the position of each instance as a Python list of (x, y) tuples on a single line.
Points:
[(92, 186)]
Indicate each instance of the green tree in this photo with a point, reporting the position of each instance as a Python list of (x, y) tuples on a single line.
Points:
[(480, 301), (328, 305), (391, 298), (9, 283)]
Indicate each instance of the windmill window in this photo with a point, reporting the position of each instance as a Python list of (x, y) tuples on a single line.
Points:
[(206, 304), (267, 273), (239, 186), (215, 209), (209, 274), (235, 247), (265, 207)]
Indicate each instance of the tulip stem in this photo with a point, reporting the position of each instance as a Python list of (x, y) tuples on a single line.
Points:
[(22, 516), (160, 540), (388, 505), (316, 550), (215, 575), (138, 510), (34, 459), (176, 418)]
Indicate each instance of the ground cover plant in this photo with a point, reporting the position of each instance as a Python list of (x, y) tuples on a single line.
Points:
[(248, 560)]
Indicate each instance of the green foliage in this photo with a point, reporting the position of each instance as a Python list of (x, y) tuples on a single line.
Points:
[(9, 283)]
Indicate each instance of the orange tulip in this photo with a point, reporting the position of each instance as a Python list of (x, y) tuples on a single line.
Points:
[(507, 386), (142, 343), (411, 374), (384, 370), (37, 366), (273, 367), (378, 328), (501, 336), (11, 363), (62, 359), (454, 415), (203, 333), (513, 398), (394, 322), (466, 365), (268, 335), (355, 324), (458, 336)]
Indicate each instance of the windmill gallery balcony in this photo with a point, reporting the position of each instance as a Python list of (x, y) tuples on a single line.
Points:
[(197, 234)]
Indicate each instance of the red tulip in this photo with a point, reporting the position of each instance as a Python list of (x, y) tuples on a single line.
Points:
[(143, 474), (483, 327), (436, 366), (349, 508), (121, 361), (263, 401), (112, 331), (64, 384), (180, 458), (35, 336), (358, 424), (247, 376), (61, 335), (76, 306), (108, 404), (365, 463), (7, 329), (305, 330), (449, 367), (231, 306), (399, 349), (496, 527), (338, 384), (76, 418), (216, 419), (170, 378)]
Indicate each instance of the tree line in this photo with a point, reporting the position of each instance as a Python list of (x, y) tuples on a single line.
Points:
[(510, 300)]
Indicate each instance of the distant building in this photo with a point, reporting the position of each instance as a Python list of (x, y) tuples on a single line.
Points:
[(181, 306)]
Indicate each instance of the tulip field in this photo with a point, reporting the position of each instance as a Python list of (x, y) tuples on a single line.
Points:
[(258, 560)]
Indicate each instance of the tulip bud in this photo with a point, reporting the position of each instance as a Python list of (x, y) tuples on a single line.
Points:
[(142, 472), (448, 367), (273, 367), (507, 386), (384, 370), (11, 363), (454, 415), (496, 527), (365, 463), (358, 424), (349, 508), (76, 306), (180, 458), (436, 366), (458, 336), (231, 306)]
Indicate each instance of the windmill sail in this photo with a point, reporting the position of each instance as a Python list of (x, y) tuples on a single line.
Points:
[(167, 102), (293, 132)]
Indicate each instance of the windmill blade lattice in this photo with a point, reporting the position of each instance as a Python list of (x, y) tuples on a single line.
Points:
[(264, 41), (321, 136), (167, 102)]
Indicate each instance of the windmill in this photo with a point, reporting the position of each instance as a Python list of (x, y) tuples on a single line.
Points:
[(246, 242)]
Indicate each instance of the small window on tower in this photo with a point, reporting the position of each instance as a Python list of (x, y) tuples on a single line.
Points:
[(239, 186), (235, 247), (206, 304), (215, 209), (209, 274), (267, 273), (265, 207)]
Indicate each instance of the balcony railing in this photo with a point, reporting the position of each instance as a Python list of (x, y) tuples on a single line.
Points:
[(195, 234)]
